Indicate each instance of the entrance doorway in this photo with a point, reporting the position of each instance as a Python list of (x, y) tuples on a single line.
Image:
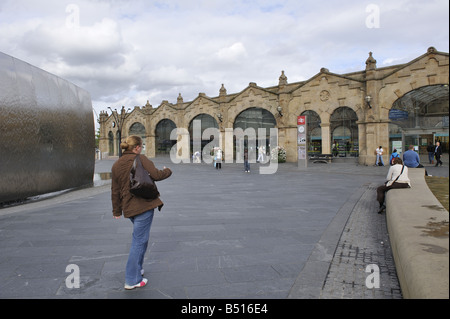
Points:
[(254, 118), (419, 118)]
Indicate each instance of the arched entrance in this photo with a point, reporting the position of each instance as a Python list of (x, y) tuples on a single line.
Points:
[(255, 118), (139, 130), (314, 133), (205, 121), (111, 143), (420, 118), (344, 139), (163, 143)]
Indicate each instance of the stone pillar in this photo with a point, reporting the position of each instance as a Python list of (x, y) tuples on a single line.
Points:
[(289, 141), (150, 146), (227, 145), (326, 138), (362, 145), (103, 140)]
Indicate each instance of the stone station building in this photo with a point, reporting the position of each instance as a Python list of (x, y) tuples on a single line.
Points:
[(353, 113)]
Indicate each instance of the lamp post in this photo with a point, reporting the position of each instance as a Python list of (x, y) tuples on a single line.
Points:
[(119, 120)]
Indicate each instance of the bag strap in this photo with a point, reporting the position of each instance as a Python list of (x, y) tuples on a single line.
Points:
[(133, 166), (403, 166)]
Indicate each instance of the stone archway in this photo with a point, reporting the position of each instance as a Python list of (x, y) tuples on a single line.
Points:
[(250, 121), (163, 143), (421, 117), (314, 133), (344, 132)]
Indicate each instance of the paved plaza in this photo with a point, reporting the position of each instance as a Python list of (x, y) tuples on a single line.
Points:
[(222, 234)]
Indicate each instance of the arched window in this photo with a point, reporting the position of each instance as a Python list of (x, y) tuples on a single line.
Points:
[(139, 130), (255, 118), (163, 143), (111, 143), (419, 118), (344, 130), (314, 133), (206, 121)]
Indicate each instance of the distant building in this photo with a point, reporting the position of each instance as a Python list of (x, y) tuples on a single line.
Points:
[(356, 112)]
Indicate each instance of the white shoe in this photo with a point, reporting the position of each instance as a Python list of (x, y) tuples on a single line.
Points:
[(139, 285)]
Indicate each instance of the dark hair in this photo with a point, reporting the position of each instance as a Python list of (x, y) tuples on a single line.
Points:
[(397, 160)]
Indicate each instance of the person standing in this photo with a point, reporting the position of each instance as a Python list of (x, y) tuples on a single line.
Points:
[(379, 152), (219, 159), (138, 210), (430, 150), (334, 149), (393, 155), (246, 163), (261, 151), (438, 153)]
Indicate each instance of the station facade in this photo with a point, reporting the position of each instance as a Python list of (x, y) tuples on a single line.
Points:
[(348, 115)]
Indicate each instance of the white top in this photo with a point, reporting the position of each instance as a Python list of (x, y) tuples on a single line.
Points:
[(395, 171)]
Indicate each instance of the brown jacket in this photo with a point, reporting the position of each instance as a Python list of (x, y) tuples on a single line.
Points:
[(122, 199)]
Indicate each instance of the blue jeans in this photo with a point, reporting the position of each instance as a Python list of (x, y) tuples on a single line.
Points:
[(430, 157), (379, 158), (141, 234), (246, 166)]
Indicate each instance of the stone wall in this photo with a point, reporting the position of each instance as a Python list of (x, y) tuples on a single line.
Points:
[(323, 93)]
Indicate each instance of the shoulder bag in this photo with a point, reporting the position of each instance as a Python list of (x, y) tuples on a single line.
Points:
[(141, 184)]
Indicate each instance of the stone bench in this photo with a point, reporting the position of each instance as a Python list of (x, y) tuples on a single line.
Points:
[(321, 158), (418, 230)]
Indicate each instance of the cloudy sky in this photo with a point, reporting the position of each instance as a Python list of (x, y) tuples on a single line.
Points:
[(128, 52)]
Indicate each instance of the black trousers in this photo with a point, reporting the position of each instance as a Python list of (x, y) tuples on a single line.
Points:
[(438, 159), (381, 191)]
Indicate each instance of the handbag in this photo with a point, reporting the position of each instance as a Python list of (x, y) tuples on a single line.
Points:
[(141, 184)]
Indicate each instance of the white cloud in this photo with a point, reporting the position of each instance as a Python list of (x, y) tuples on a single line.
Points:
[(128, 52), (233, 53)]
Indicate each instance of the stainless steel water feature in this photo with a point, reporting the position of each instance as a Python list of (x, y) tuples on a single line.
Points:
[(47, 141)]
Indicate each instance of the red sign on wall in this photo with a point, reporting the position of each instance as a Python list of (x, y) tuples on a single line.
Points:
[(301, 120)]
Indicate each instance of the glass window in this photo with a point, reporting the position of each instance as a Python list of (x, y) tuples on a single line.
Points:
[(344, 132), (314, 133), (420, 117), (206, 121), (163, 143), (255, 118)]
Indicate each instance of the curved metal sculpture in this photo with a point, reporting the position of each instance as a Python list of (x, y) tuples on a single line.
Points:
[(47, 140)]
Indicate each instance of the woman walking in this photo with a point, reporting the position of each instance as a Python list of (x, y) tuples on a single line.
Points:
[(138, 210)]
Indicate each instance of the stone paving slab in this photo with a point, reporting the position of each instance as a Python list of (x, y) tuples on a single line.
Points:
[(221, 234)]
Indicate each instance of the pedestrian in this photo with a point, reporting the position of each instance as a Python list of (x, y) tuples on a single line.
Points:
[(393, 155), (196, 157), (397, 177), (138, 210), (379, 152), (219, 159), (246, 163), (261, 151), (438, 153), (430, 150), (411, 159), (335, 150)]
